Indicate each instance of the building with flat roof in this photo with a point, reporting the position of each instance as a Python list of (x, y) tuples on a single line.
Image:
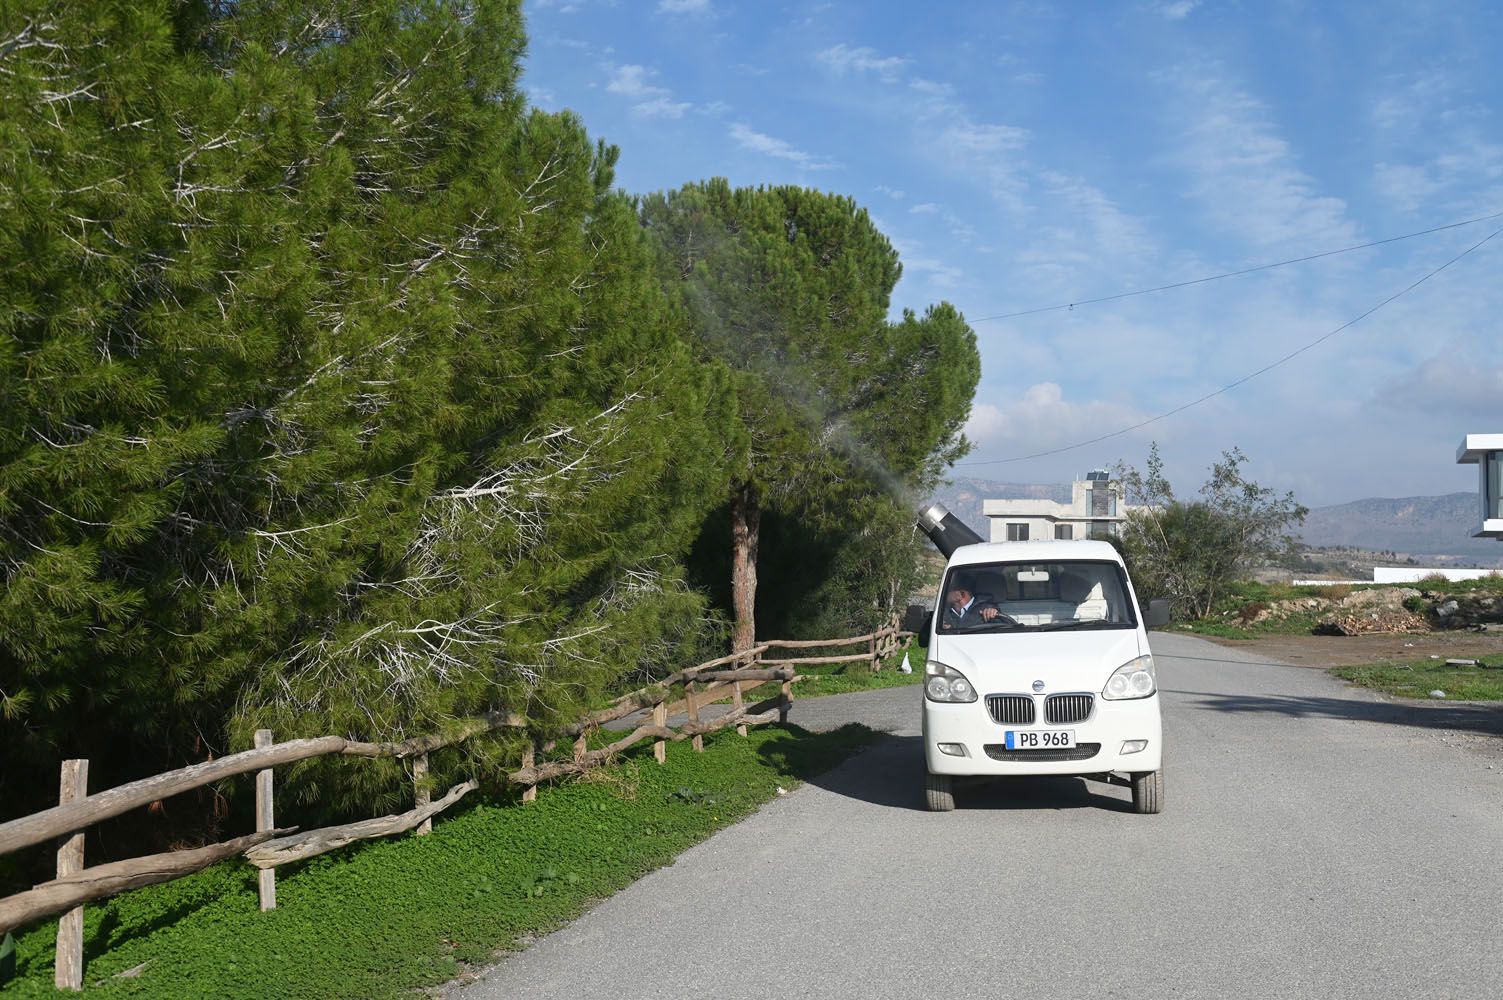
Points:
[(1486, 452), (1095, 510)]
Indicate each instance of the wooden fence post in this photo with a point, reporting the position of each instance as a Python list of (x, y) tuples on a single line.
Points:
[(266, 879), (787, 695), (660, 718), (580, 746), (691, 706), (68, 973), (871, 646), (529, 758), (737, 702), (421, 794)]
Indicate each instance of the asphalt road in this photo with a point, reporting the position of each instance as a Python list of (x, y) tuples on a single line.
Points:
[(1314, 844)]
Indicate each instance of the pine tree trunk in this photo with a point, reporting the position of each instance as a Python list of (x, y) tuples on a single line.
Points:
[(746, 525)]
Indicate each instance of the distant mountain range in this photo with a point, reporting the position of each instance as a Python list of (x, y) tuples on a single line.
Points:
[(1409, 526), (1434, 526)]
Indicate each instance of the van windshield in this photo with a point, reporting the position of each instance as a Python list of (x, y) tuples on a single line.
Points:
[(1035, 597)]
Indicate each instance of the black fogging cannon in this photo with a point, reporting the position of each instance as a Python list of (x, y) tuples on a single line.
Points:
[(948, 533), (945, 530)]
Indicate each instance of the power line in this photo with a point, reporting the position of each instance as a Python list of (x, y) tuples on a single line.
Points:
[(1234, 274), (1247, 378)]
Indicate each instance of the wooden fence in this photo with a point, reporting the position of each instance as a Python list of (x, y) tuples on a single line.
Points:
[(687, 692)]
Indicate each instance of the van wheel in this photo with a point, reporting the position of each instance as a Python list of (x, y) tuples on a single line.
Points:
[(1148, 791), (939, 792)]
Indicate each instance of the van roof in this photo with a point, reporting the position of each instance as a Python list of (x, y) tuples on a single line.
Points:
[(1044, 550)]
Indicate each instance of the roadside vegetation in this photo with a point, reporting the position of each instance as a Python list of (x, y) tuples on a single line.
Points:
[(345, 392), (1479, 681), (1241, 611), (392, 916), (845, 678), (1193, 551)]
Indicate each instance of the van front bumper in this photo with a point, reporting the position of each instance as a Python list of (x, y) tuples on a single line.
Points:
[(1110, 725)]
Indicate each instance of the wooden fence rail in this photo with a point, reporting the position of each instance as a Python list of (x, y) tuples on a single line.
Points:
[(727, 677)]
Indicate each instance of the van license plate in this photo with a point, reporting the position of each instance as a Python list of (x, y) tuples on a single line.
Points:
[(1040, 739)]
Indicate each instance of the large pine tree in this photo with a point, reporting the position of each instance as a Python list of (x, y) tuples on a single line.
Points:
[(844, 408), (340, 393)]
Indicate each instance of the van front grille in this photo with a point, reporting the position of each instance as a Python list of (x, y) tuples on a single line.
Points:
[(1010, 709), (1063, 709)]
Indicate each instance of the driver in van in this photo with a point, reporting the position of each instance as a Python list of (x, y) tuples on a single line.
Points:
[(963, 608)]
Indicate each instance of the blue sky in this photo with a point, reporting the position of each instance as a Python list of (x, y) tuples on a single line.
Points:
[(1024, 155)]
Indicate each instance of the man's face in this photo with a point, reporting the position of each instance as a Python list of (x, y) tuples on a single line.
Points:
[(958, 597)]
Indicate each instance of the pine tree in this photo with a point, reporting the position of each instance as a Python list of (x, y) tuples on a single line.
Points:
[(791, 288), (341, 394)]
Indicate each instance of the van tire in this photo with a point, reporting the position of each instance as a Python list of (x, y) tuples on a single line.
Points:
[(939, 792), (1148, 791)]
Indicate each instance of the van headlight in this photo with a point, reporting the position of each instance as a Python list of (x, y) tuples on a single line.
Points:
[(1134, 679), (942, 683)]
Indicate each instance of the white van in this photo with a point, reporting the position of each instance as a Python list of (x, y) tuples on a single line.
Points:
[(1038, 663)]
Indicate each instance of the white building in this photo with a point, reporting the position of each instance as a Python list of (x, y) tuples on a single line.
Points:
[(1486, 452), (1095, 510)]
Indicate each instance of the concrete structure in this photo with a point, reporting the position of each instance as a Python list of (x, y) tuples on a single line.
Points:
[(1486, 452), (1095, 510)]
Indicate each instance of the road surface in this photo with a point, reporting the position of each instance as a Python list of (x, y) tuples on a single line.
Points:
[(1314, 844)]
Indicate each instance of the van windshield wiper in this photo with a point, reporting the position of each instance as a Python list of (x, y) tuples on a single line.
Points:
[(1079, 623)]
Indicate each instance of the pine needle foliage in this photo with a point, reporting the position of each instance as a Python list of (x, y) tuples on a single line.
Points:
[(849, 413), (338, 390)]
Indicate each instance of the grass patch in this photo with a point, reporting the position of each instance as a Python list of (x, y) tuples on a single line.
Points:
[(1236, 628), (843, 678), (388, 917), (1416, 680)]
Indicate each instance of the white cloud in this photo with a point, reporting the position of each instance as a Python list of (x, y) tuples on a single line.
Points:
[(660, 107), (1447, 384), (1177, 10), (925, 208), (939, 273), (1404, 186), (845, 59), (758, 142), (650, 100), (684, 6), (631, 81), (971, 137), (1244, 174), (894, 193), (1042, 418)]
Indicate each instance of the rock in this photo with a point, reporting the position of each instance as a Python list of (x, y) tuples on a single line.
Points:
[(1437, 693), (1385, 621), (1461, 663), (1446, 610)]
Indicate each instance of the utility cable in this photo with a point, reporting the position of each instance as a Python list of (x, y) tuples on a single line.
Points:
[(1234, 274), (1246, 378)]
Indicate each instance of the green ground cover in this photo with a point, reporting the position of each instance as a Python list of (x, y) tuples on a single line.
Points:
[(390, 916), (843, 678), (1483, 682)]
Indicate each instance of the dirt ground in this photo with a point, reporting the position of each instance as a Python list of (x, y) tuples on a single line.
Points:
[(1350, 650)]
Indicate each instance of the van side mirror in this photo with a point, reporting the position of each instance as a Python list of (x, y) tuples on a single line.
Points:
[(916, 620), (1157, 615)]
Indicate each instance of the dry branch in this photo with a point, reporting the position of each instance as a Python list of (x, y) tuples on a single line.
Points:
[(422, 744), (285, 850), (815, 643), (58, 820), (103, 881)]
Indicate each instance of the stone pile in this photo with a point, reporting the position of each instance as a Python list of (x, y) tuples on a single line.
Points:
[(1377, 622)]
